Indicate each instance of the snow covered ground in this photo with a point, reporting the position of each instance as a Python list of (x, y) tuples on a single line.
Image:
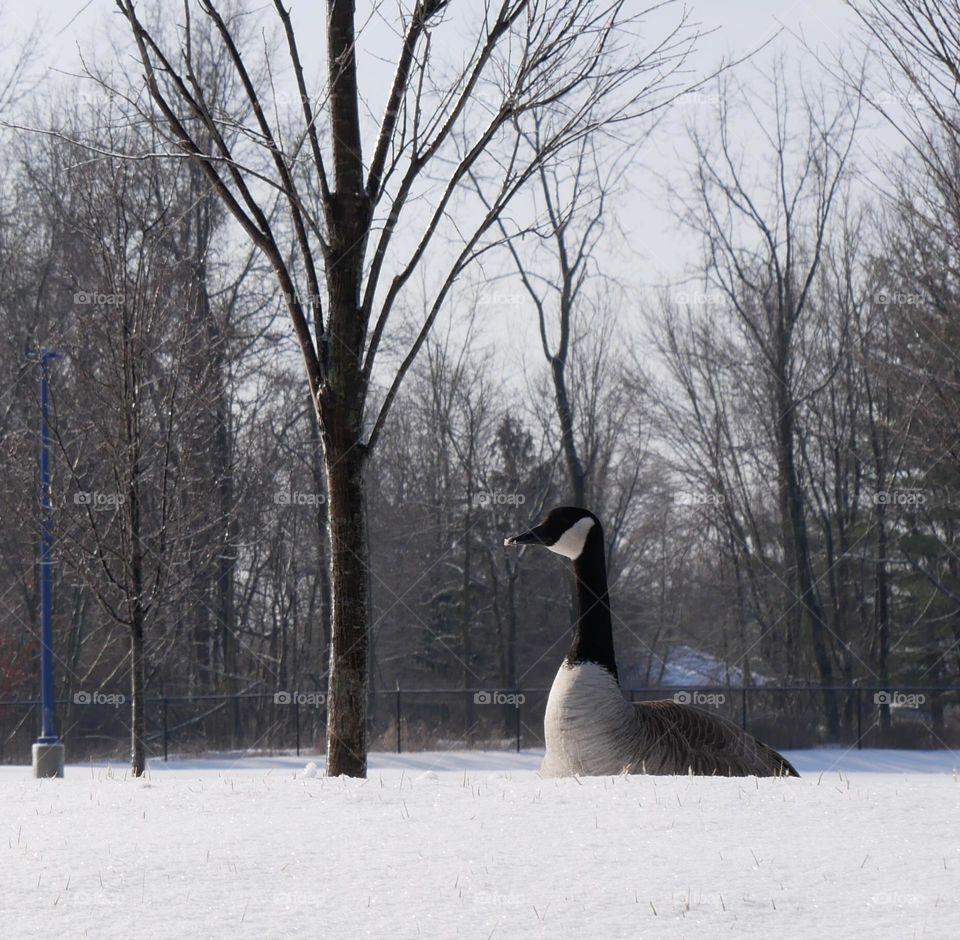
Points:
[(475, 845)]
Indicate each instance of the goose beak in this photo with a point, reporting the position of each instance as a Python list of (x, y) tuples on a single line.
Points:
[(525, 538)]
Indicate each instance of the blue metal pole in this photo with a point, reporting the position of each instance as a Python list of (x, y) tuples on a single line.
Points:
[(47, 705)]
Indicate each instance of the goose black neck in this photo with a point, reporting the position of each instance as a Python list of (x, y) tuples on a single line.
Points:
[(593, 632)]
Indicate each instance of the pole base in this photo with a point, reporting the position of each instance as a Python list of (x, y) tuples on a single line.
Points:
[(48, 760)]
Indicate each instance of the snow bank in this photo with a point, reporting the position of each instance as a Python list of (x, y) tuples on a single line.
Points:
[(474, 845)]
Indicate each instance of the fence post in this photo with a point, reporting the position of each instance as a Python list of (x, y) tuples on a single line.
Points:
[(164, 729), (296, 715), (399, 716), (743, 708)]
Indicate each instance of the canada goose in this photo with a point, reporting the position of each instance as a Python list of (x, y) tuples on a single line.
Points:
[(589, 727)]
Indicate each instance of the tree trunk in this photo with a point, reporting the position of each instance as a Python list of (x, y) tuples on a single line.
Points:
[(881, 604), (798, 544), (135, 585), (746, 678), (221, 465), (466, 618), (137, 617), (340, 408), (323, 545), (202, 671), (575, 472), (349, 579), (512, 672), (138, 724)]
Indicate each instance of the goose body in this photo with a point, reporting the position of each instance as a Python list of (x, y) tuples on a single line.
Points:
[(590, 729)]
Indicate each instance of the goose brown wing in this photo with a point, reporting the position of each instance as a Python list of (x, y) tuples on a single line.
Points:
[(683, 739)]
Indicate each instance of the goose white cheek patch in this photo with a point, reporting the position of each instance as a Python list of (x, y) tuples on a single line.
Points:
[(571, 543)]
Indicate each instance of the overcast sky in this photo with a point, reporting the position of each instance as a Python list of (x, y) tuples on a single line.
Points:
[(655, 250)]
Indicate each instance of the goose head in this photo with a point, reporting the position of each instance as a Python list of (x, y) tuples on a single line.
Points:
[(564, 531)]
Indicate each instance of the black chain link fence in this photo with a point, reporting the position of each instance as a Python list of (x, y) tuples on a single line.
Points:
[(95, 725)]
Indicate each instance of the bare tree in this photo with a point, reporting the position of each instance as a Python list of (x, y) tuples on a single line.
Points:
[(920, 46), (575, 196), (573, 64), (131, 543), (712, 424), (763, 243)]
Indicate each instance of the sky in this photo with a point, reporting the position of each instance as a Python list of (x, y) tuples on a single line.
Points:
[(654, 250)]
